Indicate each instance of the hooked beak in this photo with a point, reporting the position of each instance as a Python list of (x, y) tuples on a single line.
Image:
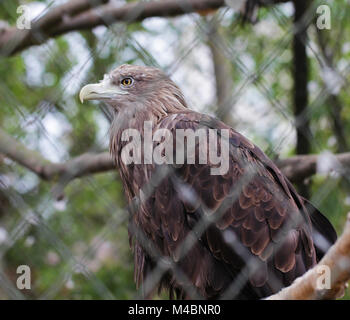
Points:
[(99, 91)]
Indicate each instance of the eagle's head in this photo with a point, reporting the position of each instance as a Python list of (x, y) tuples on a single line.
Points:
[(138, 87)]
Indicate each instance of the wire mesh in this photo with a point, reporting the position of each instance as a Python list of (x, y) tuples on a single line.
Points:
[(77, 254)]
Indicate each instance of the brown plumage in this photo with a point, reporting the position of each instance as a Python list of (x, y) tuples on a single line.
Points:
[(264, 231)]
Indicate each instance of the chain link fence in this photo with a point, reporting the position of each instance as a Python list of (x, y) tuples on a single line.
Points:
[(72, 233)]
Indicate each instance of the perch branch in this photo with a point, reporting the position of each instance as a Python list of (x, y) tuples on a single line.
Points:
[(336, 260)]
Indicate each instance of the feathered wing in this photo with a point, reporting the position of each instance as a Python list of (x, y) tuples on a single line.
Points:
[(261, 232)]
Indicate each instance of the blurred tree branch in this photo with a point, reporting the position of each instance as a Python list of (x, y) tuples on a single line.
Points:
[(295, 168), (337, 260), (13, 39), (87, 14), (76, 167), (223, 78), (300, 167)]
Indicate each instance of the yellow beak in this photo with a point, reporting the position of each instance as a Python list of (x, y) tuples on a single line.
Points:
[(99, 91)]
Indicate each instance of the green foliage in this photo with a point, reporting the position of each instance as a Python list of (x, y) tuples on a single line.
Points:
[(41, 84)]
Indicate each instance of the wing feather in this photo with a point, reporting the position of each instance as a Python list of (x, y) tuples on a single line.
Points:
[(267, 222)]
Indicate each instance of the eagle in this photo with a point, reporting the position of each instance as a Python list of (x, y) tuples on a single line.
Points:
[(243, 233)]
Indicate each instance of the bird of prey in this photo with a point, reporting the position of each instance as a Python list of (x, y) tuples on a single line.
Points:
[(242, 234)]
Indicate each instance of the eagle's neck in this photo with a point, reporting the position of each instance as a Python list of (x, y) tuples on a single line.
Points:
[(131, 117), (153, 107)]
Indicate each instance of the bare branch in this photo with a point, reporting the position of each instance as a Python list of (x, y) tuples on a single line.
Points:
[(65, 19), (13, 40), (82, 165), (337, 260), (300, 167), (77, 15)]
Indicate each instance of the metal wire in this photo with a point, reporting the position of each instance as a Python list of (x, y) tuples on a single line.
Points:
[(37, 217)]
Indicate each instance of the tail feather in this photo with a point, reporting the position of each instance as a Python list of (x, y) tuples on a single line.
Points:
[(323, 233)]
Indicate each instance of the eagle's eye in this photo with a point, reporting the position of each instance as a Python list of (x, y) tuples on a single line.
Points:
[(127, 82)]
